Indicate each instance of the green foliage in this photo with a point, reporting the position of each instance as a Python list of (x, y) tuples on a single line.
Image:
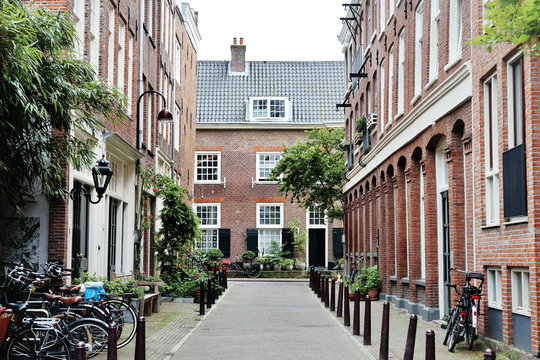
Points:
[(361, 122), (117, 286), (275, 253), (214, 254), (370, 277), (288, 262), (45, 88), (177, 286), (299, 236), (248, 255), (179, 224), (515, 21), (312, 172)]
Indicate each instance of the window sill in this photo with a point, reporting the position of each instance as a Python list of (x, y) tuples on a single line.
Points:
[(494, 306), (430, 83), (388, 126), (405, 280), (452, 63), (420, 282), (521, 312), (415, 99), (381, 35), (490, 226), (393, 278), (399, 3), (262, 182), (516, 220), (373, 37), (390, 18), (207, 182)]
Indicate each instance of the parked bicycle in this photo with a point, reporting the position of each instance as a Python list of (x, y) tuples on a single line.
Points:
[(250, 268), (463, 320)]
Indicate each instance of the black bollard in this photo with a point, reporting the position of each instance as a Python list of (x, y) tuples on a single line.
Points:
[(215, 294), (430, 345), (323, 289), (383, 352), (326, 292), (80, 351), (220, 279), (225, 286), (490, 354), (411, 337), (140, 341), (339, 312), (112, 342), (209, 294), (356, 315), (367, 322), (311, 278), (347, 310), (333, 295), (201, 300)]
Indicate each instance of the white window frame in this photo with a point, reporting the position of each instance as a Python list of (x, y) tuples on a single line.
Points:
[(455, 37), (383, 94), (390, 85), (401, 74), (491, 151), (209, 227), (391, 6), (522, 292), (177, 60), (422, 224), (311, 225), (78, 19), (418, 40), (258, 165), (218, 180), (382, 16), (269, 226), (268, 117), (95, 11), (514, 140), (121, 55), (130, 71), (177, 129), (111, 44), (494, 282), (434, 43)]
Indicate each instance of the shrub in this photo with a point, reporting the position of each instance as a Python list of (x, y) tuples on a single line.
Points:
[(248, 255), (214, 254)]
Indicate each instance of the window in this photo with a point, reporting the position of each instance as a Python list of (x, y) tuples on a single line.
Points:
[(121, 54), (266, 162), (434, 42), (269, 224), (455, 38), (94, 34), (516, 110), (521, 302), (207, 167), (383, 95), (418, 50), (177, 114), (269, 108), (382, 15), (177, 57), (390, 83), (494, 288), (130, 72), (209, 215), (422, 224), (110, 44), (316, 218), (491, 153), (391, 6), (401, 73)]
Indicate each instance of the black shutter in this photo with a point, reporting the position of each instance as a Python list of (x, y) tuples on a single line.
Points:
[(287, 241), (225, 242), (514, 182), (337, 245), (252, 240)]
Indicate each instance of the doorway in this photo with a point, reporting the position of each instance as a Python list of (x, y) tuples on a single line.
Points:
[(113, 223), (79, 238), (447, 258), (317, 242)]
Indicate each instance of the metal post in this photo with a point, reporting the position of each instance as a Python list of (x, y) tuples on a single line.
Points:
[(140, 342), (490, 354), (80, 351), (339, 312), (333, 295), (208, 294), (411, 337), (323, 290), (214, 290), (311, 278), (430, 345), (383, 352), (356, 315), (225, 286), (112, 342), (201, 300), (347, 310), (326, 292), (367, 322)]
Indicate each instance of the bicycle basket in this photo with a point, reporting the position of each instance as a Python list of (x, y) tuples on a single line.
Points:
[(4, 323)]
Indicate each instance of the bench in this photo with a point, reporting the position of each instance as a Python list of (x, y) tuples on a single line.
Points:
[(153, 300)]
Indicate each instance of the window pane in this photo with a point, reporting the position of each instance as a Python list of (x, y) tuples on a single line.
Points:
[(260, 108), (266, 236), (270, 215), (207, 167), (316, 217), (208, 240), (277, 108), (208, 215), (267, 162)]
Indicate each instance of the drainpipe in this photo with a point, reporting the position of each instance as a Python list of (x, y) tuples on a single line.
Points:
[(174, 88)]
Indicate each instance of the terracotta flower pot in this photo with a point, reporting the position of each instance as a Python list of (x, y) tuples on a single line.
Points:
[(373, 294)]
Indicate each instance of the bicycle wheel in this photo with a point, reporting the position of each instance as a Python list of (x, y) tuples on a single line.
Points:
[(469, 336), (125, 317), (254, 270), (454, 336), (92, 332), (451, 320), (233, 270), (38, 344)]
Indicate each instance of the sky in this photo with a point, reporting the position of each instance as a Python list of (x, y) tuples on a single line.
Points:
[(273, 30)]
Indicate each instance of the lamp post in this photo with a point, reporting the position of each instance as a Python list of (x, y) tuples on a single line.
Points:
[(164, 115), (102, 174)]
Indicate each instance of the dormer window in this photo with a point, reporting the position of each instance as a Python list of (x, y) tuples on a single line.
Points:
[(269, 108)]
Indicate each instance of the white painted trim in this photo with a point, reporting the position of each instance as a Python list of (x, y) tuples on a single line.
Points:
[(272, 226), (218, 181), (452, 92), (218, 209), (268, 126)]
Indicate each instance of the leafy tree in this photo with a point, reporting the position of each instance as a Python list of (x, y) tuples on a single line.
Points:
[(45, 92), (515, 21), (179, 224), (312, 172)]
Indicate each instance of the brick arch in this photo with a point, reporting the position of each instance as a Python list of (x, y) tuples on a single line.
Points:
[(458, 127), (417, 154), (434, 141)]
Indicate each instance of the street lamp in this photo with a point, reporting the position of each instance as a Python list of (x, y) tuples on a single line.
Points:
[(102, 174), (164, 115)]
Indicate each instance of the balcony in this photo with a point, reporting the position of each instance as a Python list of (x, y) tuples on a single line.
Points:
[(371, 121)]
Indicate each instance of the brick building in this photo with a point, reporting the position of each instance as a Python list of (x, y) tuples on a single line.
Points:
[(136, 46), (425, 190), (247, 111)]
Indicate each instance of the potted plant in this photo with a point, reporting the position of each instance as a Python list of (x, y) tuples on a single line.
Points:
[(248, 255), (372, 280), (213, 256), (299, 243), (276, 262), (289, 263), (275, 255), (360, 285)]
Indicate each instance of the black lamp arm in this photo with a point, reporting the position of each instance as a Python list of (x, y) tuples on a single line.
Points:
[(76, 192)]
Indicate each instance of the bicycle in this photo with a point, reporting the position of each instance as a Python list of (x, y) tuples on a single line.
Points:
[(251, 268), (463, 319)]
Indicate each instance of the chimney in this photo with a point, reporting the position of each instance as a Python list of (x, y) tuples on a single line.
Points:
[(238, 56)]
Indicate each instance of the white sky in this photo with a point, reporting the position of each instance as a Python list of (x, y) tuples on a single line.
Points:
[(272, 29)]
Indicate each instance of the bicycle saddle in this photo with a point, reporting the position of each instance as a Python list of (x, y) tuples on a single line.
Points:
[(475, 275), (17, 308), (66, 300)]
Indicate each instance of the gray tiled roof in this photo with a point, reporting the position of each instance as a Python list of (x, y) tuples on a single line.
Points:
[(314, 88)]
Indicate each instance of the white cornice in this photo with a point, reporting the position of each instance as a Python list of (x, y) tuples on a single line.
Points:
[(191, 25), (120, 147), (452, 93)]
